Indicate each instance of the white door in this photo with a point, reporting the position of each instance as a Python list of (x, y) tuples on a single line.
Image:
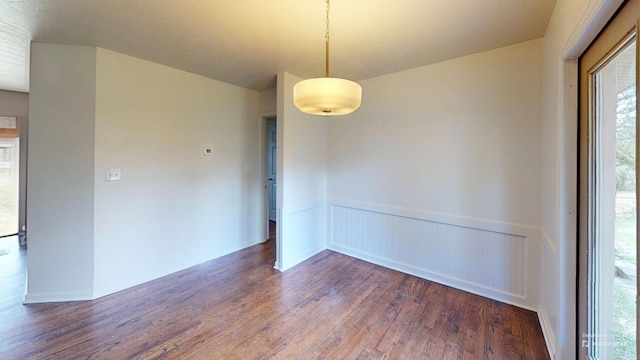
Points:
[(272, 169)]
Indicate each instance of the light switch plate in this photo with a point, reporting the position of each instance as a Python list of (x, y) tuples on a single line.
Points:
[(113, 174)]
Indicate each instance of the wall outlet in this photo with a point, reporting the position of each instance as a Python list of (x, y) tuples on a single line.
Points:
[(113, 174)]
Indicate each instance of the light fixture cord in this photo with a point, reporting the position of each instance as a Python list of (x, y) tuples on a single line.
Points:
[(326, 39)]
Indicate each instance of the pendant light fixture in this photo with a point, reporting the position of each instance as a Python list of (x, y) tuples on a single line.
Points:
[(327, 96)]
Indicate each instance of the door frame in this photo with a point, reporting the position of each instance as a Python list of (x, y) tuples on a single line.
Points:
[(621, 30), (561, 334), (265, 117)]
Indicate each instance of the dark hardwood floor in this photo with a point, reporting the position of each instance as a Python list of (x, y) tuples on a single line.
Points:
[(238, 307)]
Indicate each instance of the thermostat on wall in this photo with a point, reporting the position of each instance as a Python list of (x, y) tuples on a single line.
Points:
[(113, 174), (207, 151)]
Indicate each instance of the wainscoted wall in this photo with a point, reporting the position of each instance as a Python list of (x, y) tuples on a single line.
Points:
[(488, 258), (305, 234), (438, 173)]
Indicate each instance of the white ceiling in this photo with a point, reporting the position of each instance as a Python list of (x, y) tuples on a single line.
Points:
[(246, 42)]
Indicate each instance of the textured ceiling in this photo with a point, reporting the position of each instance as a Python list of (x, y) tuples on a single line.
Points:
[(246, 42)]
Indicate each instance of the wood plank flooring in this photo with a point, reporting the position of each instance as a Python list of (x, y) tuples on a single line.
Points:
[(238, 307)]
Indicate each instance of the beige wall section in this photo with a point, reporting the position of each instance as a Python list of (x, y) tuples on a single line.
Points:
[(174, 206), (268, 101), (60, 186), (302, 182), (460, 137), (17, 104), (92, 110)]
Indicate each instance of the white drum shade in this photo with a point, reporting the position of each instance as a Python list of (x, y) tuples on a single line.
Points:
[(327, 96)]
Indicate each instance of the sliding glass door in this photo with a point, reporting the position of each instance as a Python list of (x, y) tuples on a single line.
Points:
[(608, 197)]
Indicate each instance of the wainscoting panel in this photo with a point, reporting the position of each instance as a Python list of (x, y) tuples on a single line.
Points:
[(483, 261), (303, 234)]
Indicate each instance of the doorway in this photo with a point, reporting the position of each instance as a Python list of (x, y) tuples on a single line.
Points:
[(9, 175), (12, 255), (272, 169), (608, 217), (270, 173)]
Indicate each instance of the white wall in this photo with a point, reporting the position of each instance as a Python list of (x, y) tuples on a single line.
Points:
[(173, 208), (438, 173), (573, 26), (60, 168), (17, 104), (302, 179), (269, 101)]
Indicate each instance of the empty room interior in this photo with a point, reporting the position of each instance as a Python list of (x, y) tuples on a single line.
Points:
[(174, 200)]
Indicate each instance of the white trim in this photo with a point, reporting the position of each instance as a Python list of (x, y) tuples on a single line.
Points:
[(547, 239), (524, 230), (292, 210), (547, 332), (57, 297), (268, 114), (278, 263), (593, 20)]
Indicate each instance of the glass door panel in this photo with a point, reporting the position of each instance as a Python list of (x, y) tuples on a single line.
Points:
[(612, 260)]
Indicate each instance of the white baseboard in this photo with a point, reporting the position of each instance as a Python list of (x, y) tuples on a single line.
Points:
[(547, 332), (56, 297), (303, 258), (469, 287)]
